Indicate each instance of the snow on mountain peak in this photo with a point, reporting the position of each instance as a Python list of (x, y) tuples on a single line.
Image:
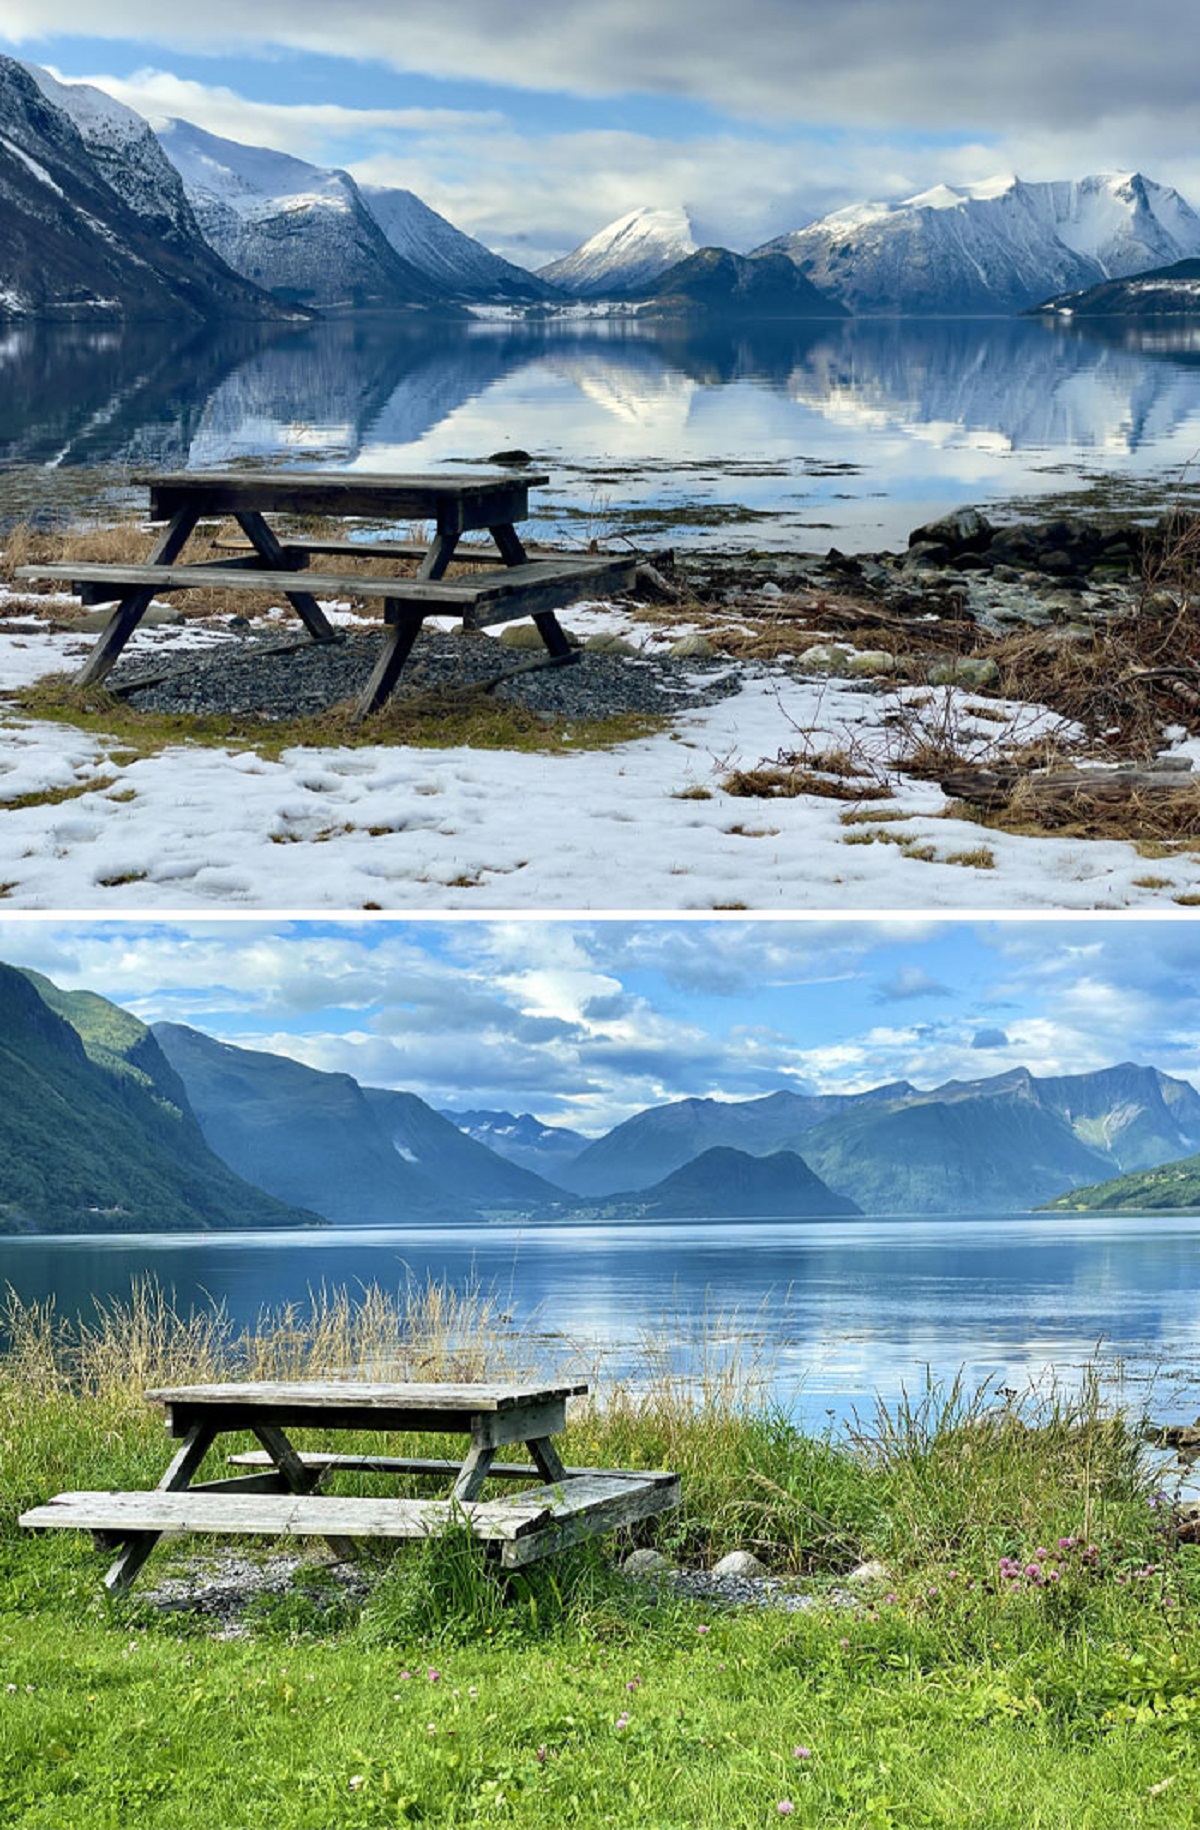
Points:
[(627, 253), (123, 146), (999, 244)]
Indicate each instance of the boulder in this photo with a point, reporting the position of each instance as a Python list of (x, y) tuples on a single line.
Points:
[(646, 1563), (739, 1563), (965, 531), (967, 670), (692, 648), (866, 1573)]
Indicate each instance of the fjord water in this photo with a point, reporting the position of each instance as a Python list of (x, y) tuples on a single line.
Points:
[(835, 1311), (789, 436)]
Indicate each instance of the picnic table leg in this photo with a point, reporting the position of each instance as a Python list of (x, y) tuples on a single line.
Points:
[(262, 539), (546, 623), (512, 552), (441, 552), (473, 1472), (401, 632), (547, 1460), (134, 604), (136, 1547), (298, 1479)]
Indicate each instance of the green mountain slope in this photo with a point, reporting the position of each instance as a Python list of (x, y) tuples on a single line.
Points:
[(1172, 1185), (947, 1156), (96, 1134)]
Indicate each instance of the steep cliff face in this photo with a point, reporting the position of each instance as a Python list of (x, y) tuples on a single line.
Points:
[(457, 264), (301, 232), (72, 244), (96, 1133)]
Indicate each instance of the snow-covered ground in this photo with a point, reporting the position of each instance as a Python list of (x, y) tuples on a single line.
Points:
[(406, 829)]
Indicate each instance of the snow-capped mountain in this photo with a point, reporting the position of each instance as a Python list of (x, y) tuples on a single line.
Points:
[(123, 145), (91, 231), (302, 232), (999, 246), (627, 255), (459, 266)]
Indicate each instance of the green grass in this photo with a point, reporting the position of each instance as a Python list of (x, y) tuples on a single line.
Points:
[(959, 1691), (438, 719)]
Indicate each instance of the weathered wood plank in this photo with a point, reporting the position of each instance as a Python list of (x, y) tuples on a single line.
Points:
[(539, 583), (546, 1459), (537, 1417), (591, 1504), (335, 1461), (458, 500), (398, 638), (260, 1514), (575, 1517), (398, 549), (487, 1395)]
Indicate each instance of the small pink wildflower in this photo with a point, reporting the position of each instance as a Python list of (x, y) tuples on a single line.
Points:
[(704, 1629), (802, 1753), (785, 1807), (622, 1720), (405, 1674), (435, 1677)]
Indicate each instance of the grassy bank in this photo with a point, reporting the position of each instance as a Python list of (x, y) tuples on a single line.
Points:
[(1030, 1658)]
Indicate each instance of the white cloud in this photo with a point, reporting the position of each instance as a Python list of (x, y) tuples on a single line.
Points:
[(879, 99)]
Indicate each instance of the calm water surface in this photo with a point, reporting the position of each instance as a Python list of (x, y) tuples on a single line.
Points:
[(842, 1310), (763, 436)]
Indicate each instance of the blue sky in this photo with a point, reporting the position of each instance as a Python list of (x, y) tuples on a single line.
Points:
[(532, 126), (585, 1022)]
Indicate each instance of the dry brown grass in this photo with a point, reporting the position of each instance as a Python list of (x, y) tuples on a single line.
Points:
[(127, 541)]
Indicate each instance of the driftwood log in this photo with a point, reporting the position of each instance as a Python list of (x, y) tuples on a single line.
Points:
[(1068, 790)]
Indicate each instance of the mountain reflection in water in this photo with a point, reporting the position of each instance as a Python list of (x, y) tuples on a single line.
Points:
[(827, 431)]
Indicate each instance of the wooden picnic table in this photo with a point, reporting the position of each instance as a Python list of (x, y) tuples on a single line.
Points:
[(454, 502), (280, 1496)]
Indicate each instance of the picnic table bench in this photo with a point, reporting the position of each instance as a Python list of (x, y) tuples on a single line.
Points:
[(455, 502), (280, 1496)]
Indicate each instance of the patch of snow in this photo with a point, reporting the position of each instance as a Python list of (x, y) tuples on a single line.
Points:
[(460, 829), (39, 171)]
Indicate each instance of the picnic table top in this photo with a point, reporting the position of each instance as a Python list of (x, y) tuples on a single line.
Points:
[(279, 486), (334, 1394)]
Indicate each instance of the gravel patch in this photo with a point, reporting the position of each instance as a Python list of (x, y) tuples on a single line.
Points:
[(222, 1586), (270, 680), (756, 1592)]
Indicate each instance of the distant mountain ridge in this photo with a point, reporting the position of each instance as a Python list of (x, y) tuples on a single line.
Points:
[(301, 232), (101, 219), (363, 1156), (999, 246), (719, 283), (969, 1146), (105, 1124)]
